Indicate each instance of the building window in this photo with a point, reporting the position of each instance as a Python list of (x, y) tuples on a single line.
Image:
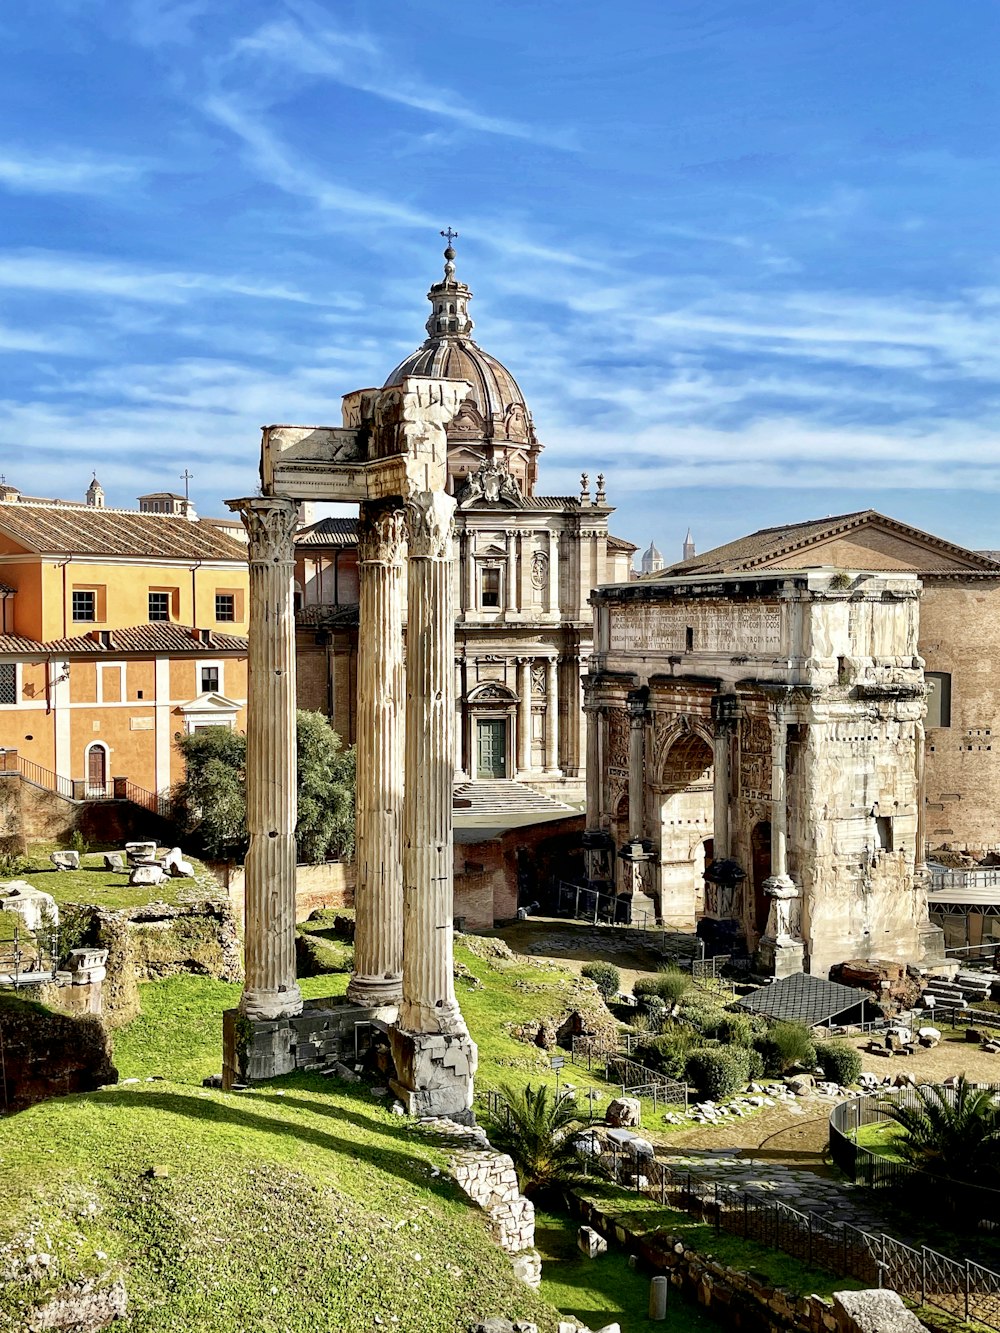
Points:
[(491, 587), (8, 682), (883, 833), (84, 604), (225, 606), (938, 698), (209, 680), (159, 606)]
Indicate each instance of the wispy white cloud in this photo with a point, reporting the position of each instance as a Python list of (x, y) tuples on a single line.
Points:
[(311, 45), (50, 271), (29, 173)]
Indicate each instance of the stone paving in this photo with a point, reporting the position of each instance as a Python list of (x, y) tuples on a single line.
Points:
[(836, 1200)]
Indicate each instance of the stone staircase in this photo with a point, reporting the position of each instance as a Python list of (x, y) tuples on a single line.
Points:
[(498, 799)]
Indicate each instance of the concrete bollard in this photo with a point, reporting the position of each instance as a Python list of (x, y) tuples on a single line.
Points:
[(658, 1298)]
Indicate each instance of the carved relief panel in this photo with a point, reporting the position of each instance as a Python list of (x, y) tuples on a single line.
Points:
[(755, 759)]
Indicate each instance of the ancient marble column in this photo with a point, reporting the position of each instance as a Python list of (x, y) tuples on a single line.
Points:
[(636, 773), (524, 714), (428, 983), (781, 948), (593, 715), (377, 980), (720, 791), (552, 715), (920, 856), (270, 989), (434, 1056)]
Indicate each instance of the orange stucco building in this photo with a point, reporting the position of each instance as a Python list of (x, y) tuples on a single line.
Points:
[(119, 631)]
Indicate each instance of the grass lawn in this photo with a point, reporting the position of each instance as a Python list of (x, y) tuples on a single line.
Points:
[(599, 1291), (109, 888), (882, 1138)]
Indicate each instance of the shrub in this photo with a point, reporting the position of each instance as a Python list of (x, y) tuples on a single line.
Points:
[(536, 1130), (840, 1062), (13, 866), (784, 1045), (717, 1072), (606, 977), (703, 1013), (672, 984), (668, 1052), (755, 1065), (735, 1029), (78, 843)]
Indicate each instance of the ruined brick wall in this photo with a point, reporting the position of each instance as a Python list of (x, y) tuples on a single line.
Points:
[(960, 634)]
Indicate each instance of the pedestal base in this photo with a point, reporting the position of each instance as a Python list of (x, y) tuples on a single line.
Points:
[(267, 1005), (931, 944), (382, 993), (257, 1049), (434, 1073), (781, 958)]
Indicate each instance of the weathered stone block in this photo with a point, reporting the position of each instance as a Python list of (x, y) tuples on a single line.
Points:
[(873, 1312), (624, 1111), (591, 1242)]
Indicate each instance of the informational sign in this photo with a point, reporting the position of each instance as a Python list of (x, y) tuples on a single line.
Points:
[(696, 627)]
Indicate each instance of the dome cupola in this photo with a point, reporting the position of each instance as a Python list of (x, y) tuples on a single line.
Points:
[(493, 424)]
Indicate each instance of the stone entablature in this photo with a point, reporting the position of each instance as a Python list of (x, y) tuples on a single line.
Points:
[(774, 723)]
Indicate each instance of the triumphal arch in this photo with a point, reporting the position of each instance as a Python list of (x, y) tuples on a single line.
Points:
[(389, 456), (755, 754)]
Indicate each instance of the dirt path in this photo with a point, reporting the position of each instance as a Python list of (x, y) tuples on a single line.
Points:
[(574, 943)]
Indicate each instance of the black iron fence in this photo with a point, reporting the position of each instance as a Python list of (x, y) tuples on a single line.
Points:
[(973, 1204), (959, 1287)]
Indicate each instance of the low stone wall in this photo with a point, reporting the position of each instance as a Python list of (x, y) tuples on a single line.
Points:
[(44, 816), (322, 1037), (328, 885), (737, 1299), (486, 868)]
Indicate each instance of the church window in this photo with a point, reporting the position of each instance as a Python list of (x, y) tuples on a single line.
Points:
[(491, 587), (159, 606), (938, 698), (84, 604), (8, 682)]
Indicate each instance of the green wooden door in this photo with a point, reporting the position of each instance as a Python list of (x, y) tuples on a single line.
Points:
[(491, 738)]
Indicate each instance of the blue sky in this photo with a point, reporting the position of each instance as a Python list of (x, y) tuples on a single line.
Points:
[(742, 255)]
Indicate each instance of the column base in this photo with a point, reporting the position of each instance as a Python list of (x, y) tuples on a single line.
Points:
[(284, 1002), (383, 993), (781, 958), (434, 1073)]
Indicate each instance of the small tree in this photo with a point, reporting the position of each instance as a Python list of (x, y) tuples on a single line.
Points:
[(605, 976), (785, 1045), (210, 800), (536, 1129)]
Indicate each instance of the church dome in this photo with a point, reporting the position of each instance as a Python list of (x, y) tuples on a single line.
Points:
[(495, 413)]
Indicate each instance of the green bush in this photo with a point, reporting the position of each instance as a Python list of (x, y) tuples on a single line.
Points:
[(785, 1045), (703, 1013), (755, 1065), (735, 1029), (839, 1061), (606, 977), (668, 1053), (669, 986), (717, 1072)]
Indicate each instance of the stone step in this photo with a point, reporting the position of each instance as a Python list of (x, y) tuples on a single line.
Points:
[(503, 798)]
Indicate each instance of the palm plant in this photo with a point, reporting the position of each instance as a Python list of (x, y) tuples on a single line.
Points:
[(952, 1132), (536, 1129)]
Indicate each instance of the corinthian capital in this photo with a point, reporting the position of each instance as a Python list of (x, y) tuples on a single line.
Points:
[(270, 522), (381, 534), (429, 517)]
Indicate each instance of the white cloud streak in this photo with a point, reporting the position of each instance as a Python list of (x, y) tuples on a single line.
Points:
[(29, 173)]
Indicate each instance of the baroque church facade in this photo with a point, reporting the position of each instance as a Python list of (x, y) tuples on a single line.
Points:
[(527, 563)]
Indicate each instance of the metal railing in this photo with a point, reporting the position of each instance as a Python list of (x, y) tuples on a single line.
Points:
[(149, 800), (42, 965), (973, 1203), (613, 909), (641, 1081), (44, 777), (80, 789), (976, 877), (959, 1287)]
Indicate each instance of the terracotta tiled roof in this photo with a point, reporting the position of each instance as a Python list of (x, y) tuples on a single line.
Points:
[(159, 639), (768, 544), (620, 544), (329, 532), (61, 530), (323, 616)]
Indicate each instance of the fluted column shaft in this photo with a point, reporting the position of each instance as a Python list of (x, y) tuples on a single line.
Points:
[(920, 762), (552, 715), (377, 979), (636, 771), (593, 715), (553, 573), (779, 800), (524, 714), (270, 989), (510, 579), (524, 571), (720, 792), (429, 1004)]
